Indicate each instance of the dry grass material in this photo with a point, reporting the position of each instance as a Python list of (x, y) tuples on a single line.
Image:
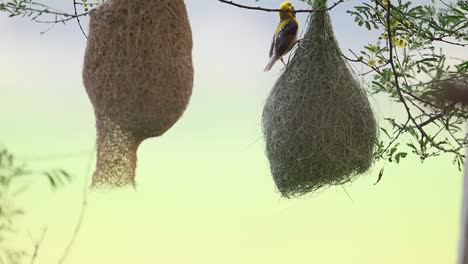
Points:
[(454, 90), (318, 124), (138, 74)]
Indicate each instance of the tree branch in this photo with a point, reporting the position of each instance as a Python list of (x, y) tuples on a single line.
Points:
[(258, 8), (441, 39), (436, 117)]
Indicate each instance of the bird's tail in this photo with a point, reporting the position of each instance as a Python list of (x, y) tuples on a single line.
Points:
[(270, 64)]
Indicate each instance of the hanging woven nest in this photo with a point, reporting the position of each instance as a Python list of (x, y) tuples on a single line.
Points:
[(318, 124), (138, 74)]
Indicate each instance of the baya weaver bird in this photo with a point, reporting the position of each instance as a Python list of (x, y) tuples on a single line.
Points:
[(286, 34)]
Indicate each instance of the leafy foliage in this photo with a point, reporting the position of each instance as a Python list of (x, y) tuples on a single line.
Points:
[(90, 4), (11, 173), (413, 72), (41, 13)]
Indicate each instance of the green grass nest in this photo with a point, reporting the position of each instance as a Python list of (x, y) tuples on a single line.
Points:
[(318, 124)]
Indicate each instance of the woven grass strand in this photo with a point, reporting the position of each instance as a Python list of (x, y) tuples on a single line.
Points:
[(318, 124)]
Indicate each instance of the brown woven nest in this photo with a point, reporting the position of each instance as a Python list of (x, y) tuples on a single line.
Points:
[(138, 74), (318, 124)]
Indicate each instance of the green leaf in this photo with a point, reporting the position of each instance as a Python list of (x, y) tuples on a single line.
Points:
[(385, 131), (400, 156), (51, 179), (381, 172), (368, 25)]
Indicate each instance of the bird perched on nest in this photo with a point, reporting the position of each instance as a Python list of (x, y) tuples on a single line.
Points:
[(285, 36)]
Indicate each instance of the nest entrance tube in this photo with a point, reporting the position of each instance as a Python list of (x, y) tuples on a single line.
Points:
[(116, 155), (138, 74), (318, 124)]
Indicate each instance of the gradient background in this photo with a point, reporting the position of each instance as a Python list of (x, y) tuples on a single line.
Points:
[(205, 194)]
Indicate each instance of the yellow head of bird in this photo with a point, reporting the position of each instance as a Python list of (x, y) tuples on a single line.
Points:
[(287, 6)]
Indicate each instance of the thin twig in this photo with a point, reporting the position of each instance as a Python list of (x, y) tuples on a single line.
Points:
[(75, 232), (348, 58), (438, 116), (78, 19), (400, 131), (61, 20), (258, 8), (418, 98), (347, 194), (37, 245), (441, 39), (81, 216)]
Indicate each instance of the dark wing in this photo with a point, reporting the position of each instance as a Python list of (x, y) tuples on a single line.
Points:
[(285, 37), (272, 45)]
